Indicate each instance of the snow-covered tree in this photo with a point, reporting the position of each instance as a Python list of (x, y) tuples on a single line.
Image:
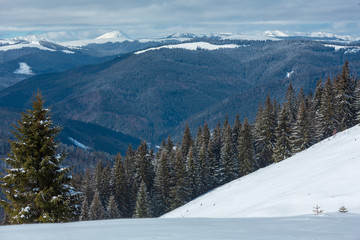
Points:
[(142, 207), (36, 185), (112, 209), (96, 210)]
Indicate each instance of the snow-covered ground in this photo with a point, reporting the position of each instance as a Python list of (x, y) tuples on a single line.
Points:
[(326, 174), (328, 227), (273, 203), (191, 46)]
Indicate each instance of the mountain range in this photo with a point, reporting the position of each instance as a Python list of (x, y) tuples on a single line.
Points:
[(149, 89)]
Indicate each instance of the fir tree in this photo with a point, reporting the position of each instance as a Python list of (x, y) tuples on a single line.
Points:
[(357, 101), (265, 126), (192, 173), (290, 104), (229, 165), (84, 215), (112, 209), (186, 141), (325, 115), (180, 193), (120, 186), (245, 150), (142, 207), (303, 134), (344, 99), (162, 184), (215, 165), (36, 186), (96, 210), (282, 148)]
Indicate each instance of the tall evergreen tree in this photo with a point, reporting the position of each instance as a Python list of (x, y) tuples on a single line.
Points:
[(325, 115), (180, 192), (215, 164), (229, 166), (245, 150), (120, 186), (265, 134), (36, 186), (186, 141), (162, 184), (290, 104), (112, 209), (303, 134), (142, 207), (357, 101), (96, 210), (344, 99), (282, 147), (84, 215)]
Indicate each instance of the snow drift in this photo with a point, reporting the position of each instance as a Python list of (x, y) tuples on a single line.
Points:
[(326, 174)]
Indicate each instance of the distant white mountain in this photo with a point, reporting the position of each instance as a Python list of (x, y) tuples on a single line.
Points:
[(326, 174), (112, 37)]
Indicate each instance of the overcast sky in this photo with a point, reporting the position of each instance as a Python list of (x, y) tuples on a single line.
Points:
[(79, 19)]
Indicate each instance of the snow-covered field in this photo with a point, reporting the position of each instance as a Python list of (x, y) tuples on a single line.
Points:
[(328, 227), (327, 174)]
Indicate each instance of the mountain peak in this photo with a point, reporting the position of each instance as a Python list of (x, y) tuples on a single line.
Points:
[(114, 35)]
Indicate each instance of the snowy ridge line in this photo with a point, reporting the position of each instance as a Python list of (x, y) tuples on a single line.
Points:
[(191, 46), (325, 174)]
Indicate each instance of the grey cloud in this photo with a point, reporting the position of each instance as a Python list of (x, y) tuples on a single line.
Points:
[(141, 16)]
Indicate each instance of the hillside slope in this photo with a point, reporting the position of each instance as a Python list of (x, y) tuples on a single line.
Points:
[(326, 174)]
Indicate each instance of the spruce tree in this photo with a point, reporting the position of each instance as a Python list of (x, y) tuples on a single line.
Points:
[(325, 115), (96, 210), (192, 173), (282, 147), (245, 150), (142, 207), (36, 185), (229, 164), (120, 186), (303, 134), (357, 101), (112, 209), (215, 165), (344, 99), (180, 193), (186, 141), (162, 184), (84, 215)]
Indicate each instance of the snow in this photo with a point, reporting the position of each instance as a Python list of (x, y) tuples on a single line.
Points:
[(191, 46), (24, 69), (68, 52), (112, 37), (275, 33), (329, 227), (25, 45), (78, 144), (288, 74), (326, 174), (348, 49)]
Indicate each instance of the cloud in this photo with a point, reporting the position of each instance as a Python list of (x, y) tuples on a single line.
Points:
[(79, 18)]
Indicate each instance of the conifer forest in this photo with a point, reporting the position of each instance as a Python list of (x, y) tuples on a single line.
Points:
[(148, 182)]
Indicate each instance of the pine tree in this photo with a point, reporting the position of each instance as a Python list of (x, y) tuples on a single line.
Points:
[(282, 148), (96, 210), (230, 169), (303, 134), (84, 215), (325, 115), (180, 193), (215, 164), (344, 99), (186, 141), (129, 165), (192, 173), (265, 127), (245, 150), (290, 104), (144, 168), (112, 209), (357, 101), (162, 184), (87, 186), (36, 186), (120, 186), (142, 207), (204, 173)]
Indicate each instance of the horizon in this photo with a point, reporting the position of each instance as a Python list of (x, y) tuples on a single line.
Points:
[(78, 19)]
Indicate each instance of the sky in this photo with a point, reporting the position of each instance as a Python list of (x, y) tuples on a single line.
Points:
[(81, 19)]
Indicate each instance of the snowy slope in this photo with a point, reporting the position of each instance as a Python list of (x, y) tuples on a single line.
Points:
[(330, 227), (191, 46), (326, 174)]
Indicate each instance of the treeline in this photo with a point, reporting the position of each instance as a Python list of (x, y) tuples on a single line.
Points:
[(145, 184)]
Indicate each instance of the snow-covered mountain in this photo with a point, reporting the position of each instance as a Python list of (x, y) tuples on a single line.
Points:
[(327, 174), (110, 37)]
